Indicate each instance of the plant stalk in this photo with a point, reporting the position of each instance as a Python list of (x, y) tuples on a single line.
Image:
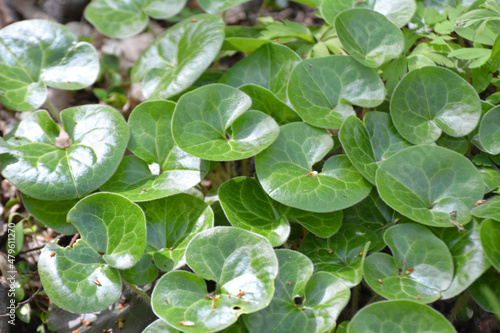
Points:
[(52, 110), (461, 301), (139, 292)]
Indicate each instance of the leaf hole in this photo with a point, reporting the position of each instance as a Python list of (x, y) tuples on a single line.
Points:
[(298, 301), (236, 308), (211, 286)]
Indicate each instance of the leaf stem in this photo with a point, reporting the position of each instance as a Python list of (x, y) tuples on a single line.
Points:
[(152, 29), (355, 299), (461, 301), (244, 167), (262, 7), (52, 110), (138, 291)]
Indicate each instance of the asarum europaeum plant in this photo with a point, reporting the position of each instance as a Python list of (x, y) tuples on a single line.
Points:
[(375, 140)]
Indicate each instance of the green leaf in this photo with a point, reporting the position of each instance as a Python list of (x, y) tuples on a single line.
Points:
[(212, 122), (181, 299), (368, 144), (172, 222), (36, 54), (247, 206), (217, 6), (243, 44), (18, 239), (369, 37), (460, 145), (342, 254), (488, 210), (323, 296), (486, 291), (324, 90), (399, 316), (126, 18), (77, 278), (320, 224), (267, 102), (269, 67), (178, 57), (113, 225), (431, 185), (43, 170), (51, 213), (374, 214), (491, 178), (143, 272), (488, 137), (159, 326), (469, 257), (152, 142), (432, 100), (490, 234)]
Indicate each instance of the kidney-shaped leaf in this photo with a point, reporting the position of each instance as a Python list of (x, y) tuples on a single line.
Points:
[(422, 265), (342, 254), (490, 234), (368, 144), (213, 122), (77, 278), (113, 225), (285, 171), (431, 185), (152, 142), (242, 263), (303, 301), (369, 37), (125, 18), (42, 170), (178, 57), (35, 54), (431, 100), (488, 137), (172, 222), (268, 67), (399, 316), (324, 90)]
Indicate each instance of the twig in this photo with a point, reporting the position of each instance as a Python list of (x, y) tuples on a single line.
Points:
[(33, 249), (74, 239), (24, 302)]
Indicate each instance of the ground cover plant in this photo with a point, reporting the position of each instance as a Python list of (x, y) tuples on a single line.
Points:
[(271, 176)]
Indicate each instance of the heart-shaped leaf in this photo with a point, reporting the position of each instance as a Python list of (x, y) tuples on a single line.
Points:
[(42, 170), (35, 54), (247, 206), (51, 213), (421, 268), (77, 278), (285, 171), (172, 222), (374, 214), (400, 12), (217, 6), (152, 142), (486, 290), (399, 316), (269, 67), (178, 57), (368, 144), (267, 102), (322, 298), (324, 90), (320, 224), (431, 185), (488, 210), (243, 265), (342, 254), (468, 254), (490, 234), (488, 137), (431, 100), (212, 122), (126, 18), (98, 214), (369, 37)]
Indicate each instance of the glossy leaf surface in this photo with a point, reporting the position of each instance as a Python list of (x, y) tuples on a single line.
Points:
[(217, 6), (324, 296), (369, 37), (178, 57), (285, 171), (489, 132), (51, 213), (399, 316), (36, 54), (342, 254), (320, 224), (420, 268), (213, 122), (159, 326), (152, 142), (324, 90), (431, 100), (43, 170), (490, 234), (243, 265), (431, 185), (489, 209)]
